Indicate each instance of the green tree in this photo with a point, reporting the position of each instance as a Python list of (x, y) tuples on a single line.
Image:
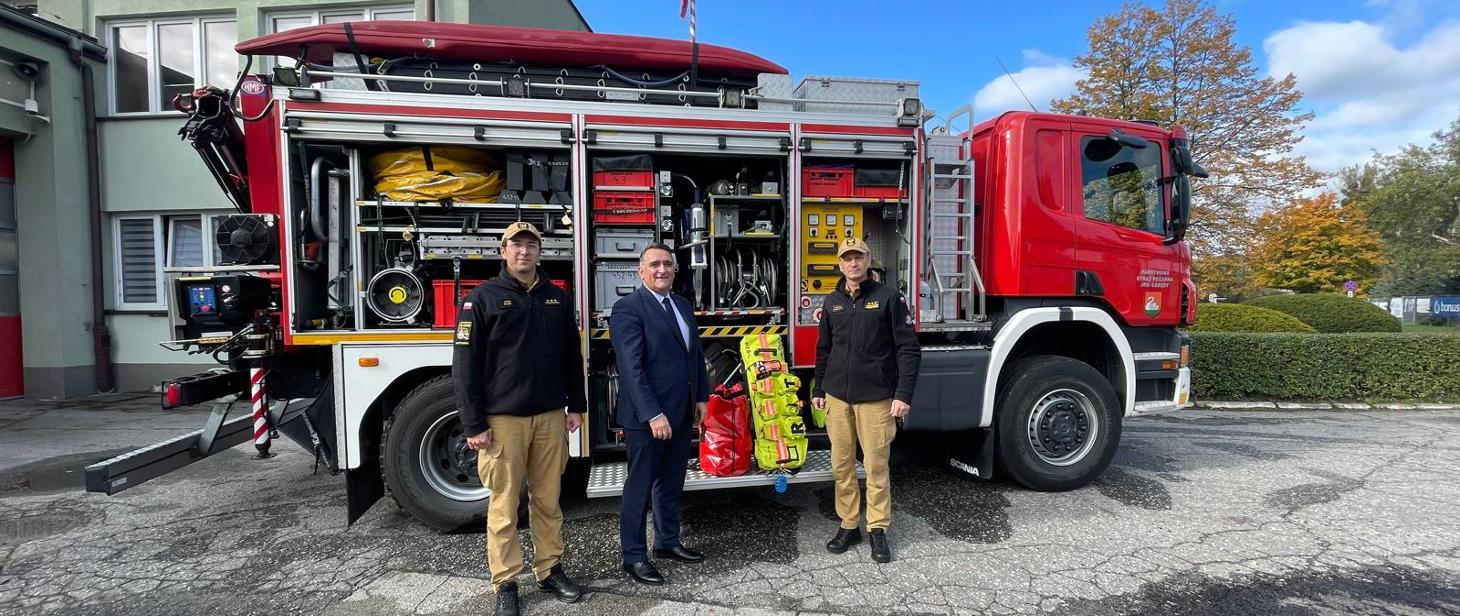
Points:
[(1316, 245), (1412, 199), (1178, 64)]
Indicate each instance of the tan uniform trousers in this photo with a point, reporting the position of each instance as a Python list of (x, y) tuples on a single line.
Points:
[(535, 450), (872, 426)]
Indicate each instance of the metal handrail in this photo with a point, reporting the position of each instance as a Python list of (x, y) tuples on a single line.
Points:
[(528, 84)]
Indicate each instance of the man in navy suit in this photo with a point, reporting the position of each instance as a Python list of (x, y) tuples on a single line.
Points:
[(663, 390)]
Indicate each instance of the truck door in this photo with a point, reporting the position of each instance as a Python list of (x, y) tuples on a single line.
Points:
[(1120, 256)]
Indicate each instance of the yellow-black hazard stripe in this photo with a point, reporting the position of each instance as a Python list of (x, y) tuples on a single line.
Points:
[(720, 331)]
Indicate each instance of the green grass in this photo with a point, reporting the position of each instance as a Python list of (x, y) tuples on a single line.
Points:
[(1449, 330)]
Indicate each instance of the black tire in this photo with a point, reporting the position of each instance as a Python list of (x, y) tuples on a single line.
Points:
[(430, 411), (1077, 429)]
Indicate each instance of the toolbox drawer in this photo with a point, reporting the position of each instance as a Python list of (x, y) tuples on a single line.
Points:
[(613, 280), (621, 244)]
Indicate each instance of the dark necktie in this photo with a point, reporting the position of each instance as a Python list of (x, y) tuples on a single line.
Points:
[(669, 309)]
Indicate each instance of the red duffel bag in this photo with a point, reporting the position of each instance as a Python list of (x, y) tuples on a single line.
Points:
[(725, 439)]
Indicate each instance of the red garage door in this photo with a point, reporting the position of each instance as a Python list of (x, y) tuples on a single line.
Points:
[(11, 367)]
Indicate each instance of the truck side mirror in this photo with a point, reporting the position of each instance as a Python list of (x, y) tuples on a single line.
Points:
[(1180, 210), (1128, 140)]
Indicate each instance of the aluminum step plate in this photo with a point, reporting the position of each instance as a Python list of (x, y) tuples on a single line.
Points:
[(608, 479)]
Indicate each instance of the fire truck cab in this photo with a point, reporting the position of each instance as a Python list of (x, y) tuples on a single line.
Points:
[(1041, 255)]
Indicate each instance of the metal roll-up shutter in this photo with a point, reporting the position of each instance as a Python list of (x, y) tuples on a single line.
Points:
[(688, 140), (407, 129), (847, 146)]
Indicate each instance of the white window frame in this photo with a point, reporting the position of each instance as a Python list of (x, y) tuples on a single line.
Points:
[(154, 88), (159, 257), (207, 222), (163, 239), (316, 16)]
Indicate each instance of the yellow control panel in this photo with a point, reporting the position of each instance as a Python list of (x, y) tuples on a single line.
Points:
[(823, 227)]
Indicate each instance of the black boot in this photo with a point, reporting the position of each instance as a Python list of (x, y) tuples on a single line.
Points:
[(558, 584), (880, 552), (507, 600), (845, 538)]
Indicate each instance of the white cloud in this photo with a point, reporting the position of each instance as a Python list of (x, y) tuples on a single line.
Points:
[(1043, 79), (1369, 94)]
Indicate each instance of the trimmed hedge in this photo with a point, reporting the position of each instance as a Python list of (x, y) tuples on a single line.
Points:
[(1229, 366), (1330, 313), (1242, 318)]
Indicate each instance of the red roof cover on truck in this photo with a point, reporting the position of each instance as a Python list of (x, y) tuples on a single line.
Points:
[(486, 43)]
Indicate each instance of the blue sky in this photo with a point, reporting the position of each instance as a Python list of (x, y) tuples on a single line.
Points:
[(1378, 73)]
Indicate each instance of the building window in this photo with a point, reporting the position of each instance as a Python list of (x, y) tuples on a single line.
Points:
[(139, 268), (155, 60), (1122, 184), (285, 21), (148, 243)]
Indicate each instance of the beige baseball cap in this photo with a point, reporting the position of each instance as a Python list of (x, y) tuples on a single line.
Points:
[(518, 228), (853, 244)]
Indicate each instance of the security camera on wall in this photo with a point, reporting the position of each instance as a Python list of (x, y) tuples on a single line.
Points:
[(27, 70)]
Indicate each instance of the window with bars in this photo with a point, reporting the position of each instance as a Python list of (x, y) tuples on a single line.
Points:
[(146, 244), (155, 60)]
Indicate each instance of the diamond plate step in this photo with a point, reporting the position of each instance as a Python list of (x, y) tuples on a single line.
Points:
[(608, 479)]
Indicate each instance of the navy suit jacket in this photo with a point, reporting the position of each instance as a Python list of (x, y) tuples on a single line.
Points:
[(656, 372)]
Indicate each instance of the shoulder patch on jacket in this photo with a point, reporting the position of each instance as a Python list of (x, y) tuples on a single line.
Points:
[(466, 306), (463, 333)]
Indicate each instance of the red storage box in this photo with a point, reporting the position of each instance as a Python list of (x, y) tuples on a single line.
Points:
[(826, 182), (446, 307), (877, 192), (623, 208), (623, 178)]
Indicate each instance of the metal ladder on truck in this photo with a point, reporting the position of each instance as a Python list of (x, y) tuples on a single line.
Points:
[(954, 289)]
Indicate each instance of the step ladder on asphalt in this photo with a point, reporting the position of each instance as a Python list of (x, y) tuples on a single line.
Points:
[(955, 290)]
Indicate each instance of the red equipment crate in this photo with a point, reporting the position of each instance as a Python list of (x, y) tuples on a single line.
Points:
[(826, 182), (877, 192), (623, 208), (623, 178), (446, 308)]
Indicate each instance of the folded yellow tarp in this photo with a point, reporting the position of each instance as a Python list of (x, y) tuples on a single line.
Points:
[(434, 173)]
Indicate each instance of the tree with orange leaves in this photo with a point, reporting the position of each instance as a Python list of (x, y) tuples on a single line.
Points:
[(1316, 245)]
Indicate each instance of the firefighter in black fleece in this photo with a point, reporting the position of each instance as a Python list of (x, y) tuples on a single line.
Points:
[(518, 369), (867, 358)]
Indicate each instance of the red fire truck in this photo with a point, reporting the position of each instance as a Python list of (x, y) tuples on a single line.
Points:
[(1042, 255)]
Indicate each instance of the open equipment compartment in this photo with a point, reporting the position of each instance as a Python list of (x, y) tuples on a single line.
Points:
[(725, 219), (391, 236)]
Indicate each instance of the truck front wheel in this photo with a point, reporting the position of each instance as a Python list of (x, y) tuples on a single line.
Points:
[(430, 471), (1058, 423)]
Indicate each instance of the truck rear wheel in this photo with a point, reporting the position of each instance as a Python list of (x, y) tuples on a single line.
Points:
[(1058, 423), (430, 471)]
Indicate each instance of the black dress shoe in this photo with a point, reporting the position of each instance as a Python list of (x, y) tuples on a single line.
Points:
[(644, 572), (679, 553), (558, 583), (880, 552), (507, 600), (845, 538)]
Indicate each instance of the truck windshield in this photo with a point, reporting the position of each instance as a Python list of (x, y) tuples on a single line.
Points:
[(1121, 184)]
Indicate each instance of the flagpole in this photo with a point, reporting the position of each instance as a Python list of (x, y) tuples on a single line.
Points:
[(694, 48)]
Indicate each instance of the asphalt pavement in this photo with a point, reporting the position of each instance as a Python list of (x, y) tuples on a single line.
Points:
[(1203, 512)]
